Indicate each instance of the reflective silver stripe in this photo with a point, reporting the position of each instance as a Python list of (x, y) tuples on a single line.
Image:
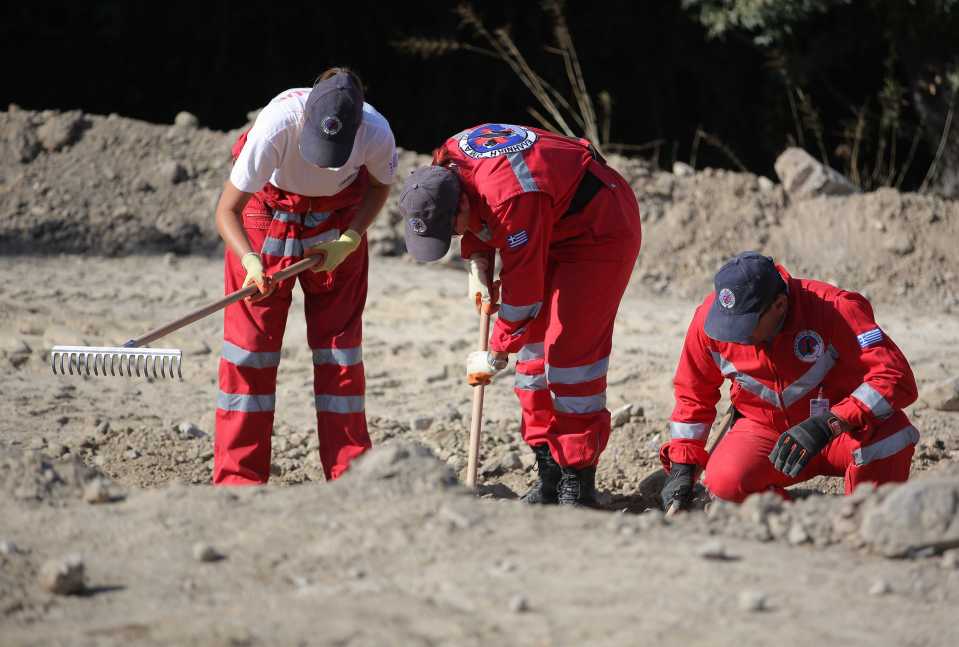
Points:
[(694, 430), (322, 237), (338, 356), (530, 382), (245, 403), (519, 313), (749, 383), (873, 400), (887, 446), (579, 404), (242, 357), (530, 352), (287, 216), (577, 374), (290, 247), (522, 172), (811, 378), (339, 403), (315, 218)]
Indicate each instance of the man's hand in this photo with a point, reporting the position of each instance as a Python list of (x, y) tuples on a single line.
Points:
[(334, 251), (254, 274), (482, 365), (798, 445), (679, 485), (482, 292)]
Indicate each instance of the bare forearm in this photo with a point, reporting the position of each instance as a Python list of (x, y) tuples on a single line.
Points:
[(369, 207), (229, 221)]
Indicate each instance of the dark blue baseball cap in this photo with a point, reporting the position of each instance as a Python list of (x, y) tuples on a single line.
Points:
[(334, 111), (428, 203), (745, 286)]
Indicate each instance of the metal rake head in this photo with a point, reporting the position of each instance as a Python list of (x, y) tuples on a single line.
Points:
[(116, 360)]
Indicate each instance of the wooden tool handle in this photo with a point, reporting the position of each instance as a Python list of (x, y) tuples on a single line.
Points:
[(476, 420), (210, 308)]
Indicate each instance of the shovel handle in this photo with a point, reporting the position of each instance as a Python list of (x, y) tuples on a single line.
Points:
[(210, 308), (476, 419)]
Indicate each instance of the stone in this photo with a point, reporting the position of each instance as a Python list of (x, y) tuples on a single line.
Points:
[(915, 516), (63, 576), (765, 184), (8, 548), (186, 119), (802, 176), (96, 491), (188, 431), (797, 534), (713, 549), (518, 603), (900, 244), (421, 423), (681, 169), (169, 172), (950, 559), (752, 601), (60, 131), (880, 587), (943, 396), (621, 416), (203, 552)]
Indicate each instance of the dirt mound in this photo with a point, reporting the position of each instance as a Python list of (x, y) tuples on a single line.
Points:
[(72, 182)]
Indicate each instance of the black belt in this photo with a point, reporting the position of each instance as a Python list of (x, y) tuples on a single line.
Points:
[(588, 187)]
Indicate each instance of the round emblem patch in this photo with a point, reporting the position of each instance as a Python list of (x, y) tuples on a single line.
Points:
[(331, 125), (491, 140), (808, 345), (417, 226), (726, 298)]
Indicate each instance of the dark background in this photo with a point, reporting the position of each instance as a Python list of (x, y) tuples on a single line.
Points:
[(220, 60)]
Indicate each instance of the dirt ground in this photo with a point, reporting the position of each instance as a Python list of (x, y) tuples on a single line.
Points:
[(397, 552)]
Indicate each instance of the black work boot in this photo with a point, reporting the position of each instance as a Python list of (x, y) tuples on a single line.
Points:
[(577, 487), (543, 491)]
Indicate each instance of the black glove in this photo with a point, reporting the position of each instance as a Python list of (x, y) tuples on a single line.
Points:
[(678, 486), (797, 445)]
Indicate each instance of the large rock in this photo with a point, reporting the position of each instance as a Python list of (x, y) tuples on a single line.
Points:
[(919, 515), (804, 177), (943, 396)]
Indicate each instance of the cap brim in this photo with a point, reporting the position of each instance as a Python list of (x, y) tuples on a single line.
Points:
[(427, 249), (328, 153), (723, 325)]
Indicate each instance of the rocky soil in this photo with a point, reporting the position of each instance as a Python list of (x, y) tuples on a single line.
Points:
[(110, 533)]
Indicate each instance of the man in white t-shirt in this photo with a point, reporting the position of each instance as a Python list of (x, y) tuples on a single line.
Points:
[(308, 178)]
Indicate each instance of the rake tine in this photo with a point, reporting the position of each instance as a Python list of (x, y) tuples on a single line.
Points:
[(53, 362), (70, 360), (63, 359)]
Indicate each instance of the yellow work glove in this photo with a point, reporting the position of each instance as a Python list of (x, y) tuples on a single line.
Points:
[(335, 251), (254, 274)]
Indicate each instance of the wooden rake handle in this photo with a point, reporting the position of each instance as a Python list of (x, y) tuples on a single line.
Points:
[(210, 308), (476, 419)]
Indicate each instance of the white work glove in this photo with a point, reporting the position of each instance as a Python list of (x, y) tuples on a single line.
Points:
[(481, 292), (482, 365), (254, 275)]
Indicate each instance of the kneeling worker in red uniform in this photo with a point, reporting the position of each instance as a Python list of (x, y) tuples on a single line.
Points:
[(568, 231), (818, 388)]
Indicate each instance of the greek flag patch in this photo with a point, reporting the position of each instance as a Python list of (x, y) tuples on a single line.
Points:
[(518, 239), (869, 338)]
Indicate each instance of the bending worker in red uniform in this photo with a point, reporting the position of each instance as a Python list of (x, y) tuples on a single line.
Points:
[(568, 231), (818, 388), (308, 178)]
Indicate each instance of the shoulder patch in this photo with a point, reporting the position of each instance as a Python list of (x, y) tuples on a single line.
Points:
[(870, 338), (492, 140), (518, 239)]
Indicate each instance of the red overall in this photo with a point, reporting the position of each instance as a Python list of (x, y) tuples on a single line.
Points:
[(563, 274), (829, 341), (280, 225)]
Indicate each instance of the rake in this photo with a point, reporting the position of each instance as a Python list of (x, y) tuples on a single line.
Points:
[(134, 359)]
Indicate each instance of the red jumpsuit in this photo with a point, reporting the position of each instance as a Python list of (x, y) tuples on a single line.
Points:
[(280, 225), (563, 274), (829, 341)]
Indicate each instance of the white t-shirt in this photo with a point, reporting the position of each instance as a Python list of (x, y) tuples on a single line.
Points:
[(272, 154)]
